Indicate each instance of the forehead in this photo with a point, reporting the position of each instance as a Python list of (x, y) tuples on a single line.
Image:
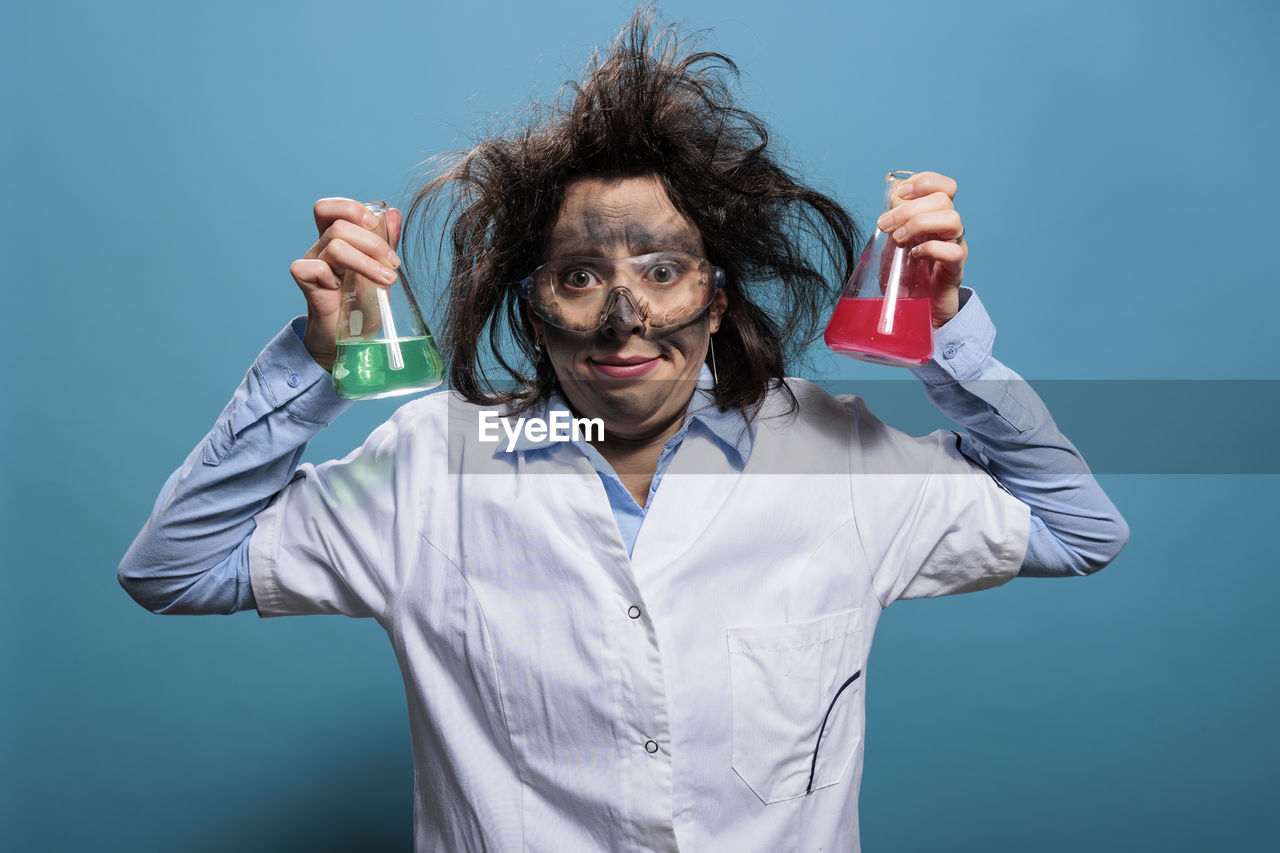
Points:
[(619, 218)]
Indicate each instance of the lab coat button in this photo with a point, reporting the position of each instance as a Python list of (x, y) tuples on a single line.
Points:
[(633, 612), (651, 746)]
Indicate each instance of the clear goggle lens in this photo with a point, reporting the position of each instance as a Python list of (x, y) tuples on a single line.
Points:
[(667, 288)]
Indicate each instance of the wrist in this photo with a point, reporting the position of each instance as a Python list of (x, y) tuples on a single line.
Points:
[(962, 345), (946, 307), (322, 350)]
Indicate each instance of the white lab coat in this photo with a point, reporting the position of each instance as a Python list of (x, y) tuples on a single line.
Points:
[(565, 697)]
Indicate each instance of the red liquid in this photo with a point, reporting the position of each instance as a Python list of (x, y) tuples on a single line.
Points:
[(855, 330)]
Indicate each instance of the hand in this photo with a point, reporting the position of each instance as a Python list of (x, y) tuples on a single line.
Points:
[(346, 243), (923, 217)]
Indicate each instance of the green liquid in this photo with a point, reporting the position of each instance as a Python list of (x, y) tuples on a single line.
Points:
[(362, 369)]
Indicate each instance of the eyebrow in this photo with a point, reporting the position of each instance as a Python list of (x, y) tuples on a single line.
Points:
[(638, 240)]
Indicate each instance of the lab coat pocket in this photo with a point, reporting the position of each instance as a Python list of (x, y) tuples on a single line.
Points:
[(797, 703)]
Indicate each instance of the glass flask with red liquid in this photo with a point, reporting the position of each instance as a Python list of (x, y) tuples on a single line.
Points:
[(885, 314)]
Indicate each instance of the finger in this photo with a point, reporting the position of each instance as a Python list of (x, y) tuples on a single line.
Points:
[(368, 242), (940, 250), (944, 224), (341, 256), (330, 210), (923, 183), (314, 273), (904, 210)]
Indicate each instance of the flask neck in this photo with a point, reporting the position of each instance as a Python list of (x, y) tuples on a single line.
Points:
[(891, 182)]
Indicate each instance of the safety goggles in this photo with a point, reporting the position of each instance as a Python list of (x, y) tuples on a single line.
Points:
[(665, 288)]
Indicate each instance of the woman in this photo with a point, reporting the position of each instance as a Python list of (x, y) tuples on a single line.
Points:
[(657, 638)]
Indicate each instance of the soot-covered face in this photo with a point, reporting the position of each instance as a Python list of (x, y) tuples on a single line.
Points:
[(637, 379)]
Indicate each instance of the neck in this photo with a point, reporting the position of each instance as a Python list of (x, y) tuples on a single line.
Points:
[(634, 460)]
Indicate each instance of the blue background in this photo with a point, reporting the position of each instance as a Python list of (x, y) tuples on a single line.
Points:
[(1118, 183)]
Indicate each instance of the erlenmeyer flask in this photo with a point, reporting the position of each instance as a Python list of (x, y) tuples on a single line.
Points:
[(384, 348), (885, 313)]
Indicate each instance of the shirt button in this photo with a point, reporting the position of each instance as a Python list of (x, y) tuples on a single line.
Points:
[(633, 612), (949, 351), (294, 380), (651, 746)]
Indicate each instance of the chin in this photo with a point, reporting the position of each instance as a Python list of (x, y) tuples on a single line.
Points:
[(625, 412), (627, 408)]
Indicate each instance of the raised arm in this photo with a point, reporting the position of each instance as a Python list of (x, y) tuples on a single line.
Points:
[(192, 554), (1075, 529)]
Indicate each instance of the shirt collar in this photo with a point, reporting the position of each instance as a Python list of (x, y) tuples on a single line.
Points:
[(729, 428)]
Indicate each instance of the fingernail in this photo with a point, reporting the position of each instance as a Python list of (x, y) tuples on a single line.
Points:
[(370, 220), (884, 222), (905, 190), (388, 275), (393, 260), (900, 235)]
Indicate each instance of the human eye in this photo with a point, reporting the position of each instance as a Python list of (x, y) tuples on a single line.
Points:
[(578, 278), (665, 271)]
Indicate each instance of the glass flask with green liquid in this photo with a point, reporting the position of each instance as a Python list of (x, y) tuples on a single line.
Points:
[(384, 348)]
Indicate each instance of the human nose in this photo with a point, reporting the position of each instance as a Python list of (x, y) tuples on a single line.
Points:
[(623, 316)]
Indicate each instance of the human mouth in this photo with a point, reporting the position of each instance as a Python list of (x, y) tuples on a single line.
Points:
[(620, 367)]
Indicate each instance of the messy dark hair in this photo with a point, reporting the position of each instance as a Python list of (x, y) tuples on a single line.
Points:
[(652, 106)]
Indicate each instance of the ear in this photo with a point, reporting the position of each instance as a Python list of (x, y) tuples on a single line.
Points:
[(718, 305)]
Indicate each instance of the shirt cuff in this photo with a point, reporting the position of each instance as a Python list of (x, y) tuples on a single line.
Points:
[(291, 377), (961, 345)]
